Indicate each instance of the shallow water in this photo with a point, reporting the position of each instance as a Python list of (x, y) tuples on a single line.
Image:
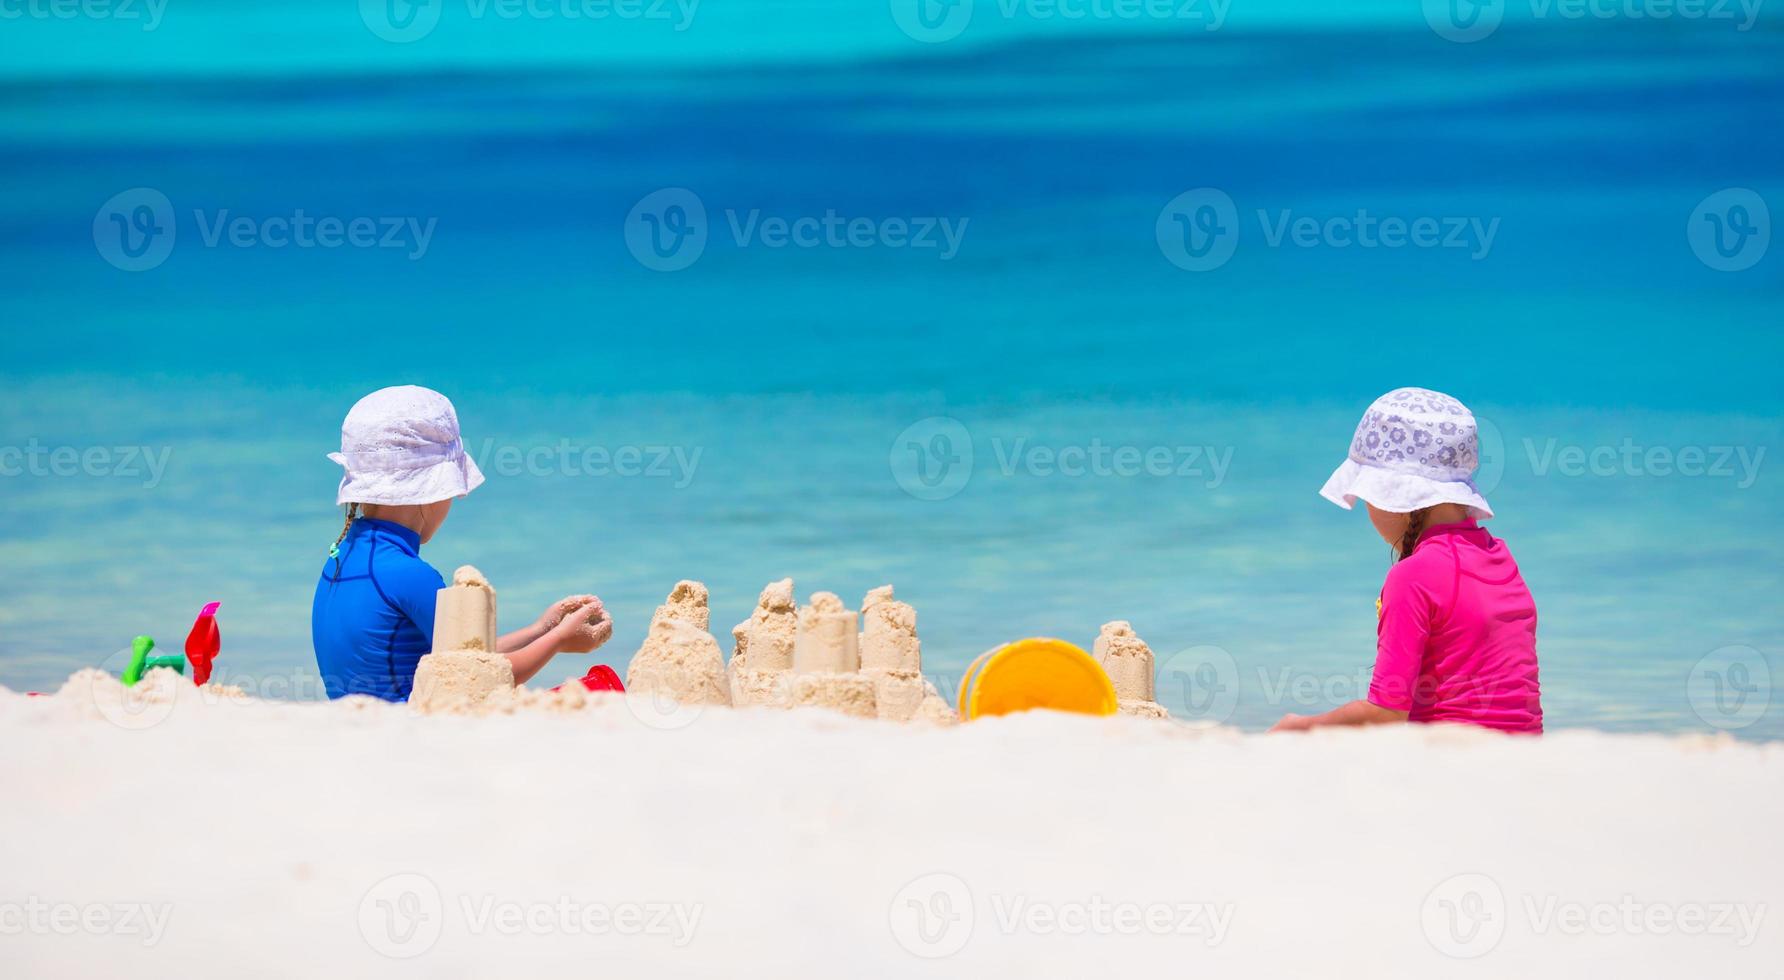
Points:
[(783, 400)]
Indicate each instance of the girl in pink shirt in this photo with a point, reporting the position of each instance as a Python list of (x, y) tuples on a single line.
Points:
[(1456, 637)]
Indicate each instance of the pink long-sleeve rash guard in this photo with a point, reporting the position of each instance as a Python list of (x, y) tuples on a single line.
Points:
[(1457, 636)]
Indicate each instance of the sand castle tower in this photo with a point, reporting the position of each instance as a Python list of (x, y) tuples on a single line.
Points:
[(763, 658), (464, 668), (686, 602), (892, 656), (680, 659), (1128, 661), (827, 660), (825, 641)]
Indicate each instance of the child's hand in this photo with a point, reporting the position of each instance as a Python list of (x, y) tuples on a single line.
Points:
[(1354, 713), (555, 613), (582, 626), (1293, 723)]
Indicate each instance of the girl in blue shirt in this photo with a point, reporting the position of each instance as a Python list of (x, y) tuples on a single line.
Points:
[(373, 616)]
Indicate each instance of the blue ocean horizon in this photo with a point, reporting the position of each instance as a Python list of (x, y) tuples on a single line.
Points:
[(752, 413)]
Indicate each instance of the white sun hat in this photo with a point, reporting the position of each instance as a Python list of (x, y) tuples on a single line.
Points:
[(401, 445), (1413, 448)]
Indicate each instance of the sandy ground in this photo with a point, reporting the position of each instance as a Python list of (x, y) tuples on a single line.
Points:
[(204, 837)]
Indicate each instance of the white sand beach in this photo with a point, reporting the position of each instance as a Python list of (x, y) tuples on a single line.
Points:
[(199, 835)]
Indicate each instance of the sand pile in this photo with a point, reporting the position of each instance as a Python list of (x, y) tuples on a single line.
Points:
[(159, 685), (1128, 661), (464, 668), (160, 694), (764, 652), (94, 693), (680, 660), (934, 709), (567, 697)]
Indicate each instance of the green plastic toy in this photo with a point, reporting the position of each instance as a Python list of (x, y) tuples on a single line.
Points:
[(141, 662)]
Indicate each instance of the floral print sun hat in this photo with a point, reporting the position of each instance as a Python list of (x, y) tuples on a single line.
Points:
[(401, 445), (1413, 448)]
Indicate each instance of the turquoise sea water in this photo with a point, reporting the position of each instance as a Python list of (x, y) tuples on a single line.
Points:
[(782, 403)]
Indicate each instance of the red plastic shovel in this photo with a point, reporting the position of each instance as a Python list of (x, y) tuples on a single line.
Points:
[(203, 643)]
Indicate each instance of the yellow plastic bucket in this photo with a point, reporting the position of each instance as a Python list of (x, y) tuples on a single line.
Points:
[(1036, 673), (966, 681)]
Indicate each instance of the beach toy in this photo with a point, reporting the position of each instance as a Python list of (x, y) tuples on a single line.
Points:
[(203, 643), (966, 680), (601, 677), (1036, 673), (141, 663)]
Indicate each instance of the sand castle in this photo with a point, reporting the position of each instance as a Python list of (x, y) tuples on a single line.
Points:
[(1128, 661), (827, 660), (464, 668), (680, 660), (893, 656), (823, 655), (816, 657), (763, 657)]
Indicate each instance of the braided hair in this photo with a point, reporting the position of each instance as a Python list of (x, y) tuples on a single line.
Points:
[(334, 550), (1415, 526)]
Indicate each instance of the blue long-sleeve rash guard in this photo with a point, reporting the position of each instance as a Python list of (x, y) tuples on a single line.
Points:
[(373, 618)]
